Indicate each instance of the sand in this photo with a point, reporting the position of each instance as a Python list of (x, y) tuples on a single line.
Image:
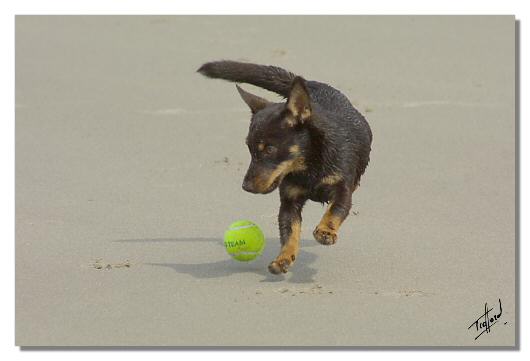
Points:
[(129, 168)]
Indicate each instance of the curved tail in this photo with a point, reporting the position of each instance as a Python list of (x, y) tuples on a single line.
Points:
[(269, 77)]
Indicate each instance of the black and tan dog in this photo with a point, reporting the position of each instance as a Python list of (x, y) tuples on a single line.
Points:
[(315, 146)]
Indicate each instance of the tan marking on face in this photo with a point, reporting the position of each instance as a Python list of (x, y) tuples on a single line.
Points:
[(294, 149), (285, 167), (299, 165), (261, 146), (294, 192), (265, 182), (331, 179)]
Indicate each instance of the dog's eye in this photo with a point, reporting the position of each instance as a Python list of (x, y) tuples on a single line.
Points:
[(269, 149)]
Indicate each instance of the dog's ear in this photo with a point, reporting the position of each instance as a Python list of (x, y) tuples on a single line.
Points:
[(254, 102), (298, 103)]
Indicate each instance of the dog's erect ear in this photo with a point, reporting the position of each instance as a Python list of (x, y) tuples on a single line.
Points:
[(299, 103), (254, 102)]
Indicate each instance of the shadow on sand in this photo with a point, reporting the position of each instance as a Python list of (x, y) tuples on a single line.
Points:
[(302, 272)]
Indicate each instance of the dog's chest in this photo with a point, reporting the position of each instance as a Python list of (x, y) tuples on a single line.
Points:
[(321, 193), (314, 190)]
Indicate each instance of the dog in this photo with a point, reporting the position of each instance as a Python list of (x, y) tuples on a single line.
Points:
[(314, 146)]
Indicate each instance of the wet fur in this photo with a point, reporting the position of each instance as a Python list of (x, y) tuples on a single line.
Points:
[(321, 148)]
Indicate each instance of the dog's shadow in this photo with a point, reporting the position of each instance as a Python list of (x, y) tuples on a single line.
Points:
[(300, 272)]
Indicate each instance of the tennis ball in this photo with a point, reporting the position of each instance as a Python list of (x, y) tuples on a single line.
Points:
[(244, 241)]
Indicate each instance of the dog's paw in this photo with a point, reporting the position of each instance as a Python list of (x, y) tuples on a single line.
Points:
[(280, 265), (325, 236)]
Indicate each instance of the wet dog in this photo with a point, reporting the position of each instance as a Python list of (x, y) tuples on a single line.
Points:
[(314, 146)]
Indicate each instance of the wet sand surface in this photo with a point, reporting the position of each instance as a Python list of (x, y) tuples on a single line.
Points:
[(129, 168)]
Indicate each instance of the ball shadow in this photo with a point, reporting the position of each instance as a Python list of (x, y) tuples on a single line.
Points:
[(301, 272)]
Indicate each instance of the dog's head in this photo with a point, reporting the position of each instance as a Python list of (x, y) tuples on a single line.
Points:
[(277, 137)]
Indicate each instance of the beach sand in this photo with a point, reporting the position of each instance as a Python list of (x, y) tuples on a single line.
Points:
[(129, 167)]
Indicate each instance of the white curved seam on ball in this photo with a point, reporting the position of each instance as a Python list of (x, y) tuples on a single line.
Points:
[(243, 253)]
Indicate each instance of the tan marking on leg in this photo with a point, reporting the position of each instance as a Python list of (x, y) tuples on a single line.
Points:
[(331, 179), (294, 149), (293, 243), (289, 251), (330, 220), (326, 231), (294, 192)]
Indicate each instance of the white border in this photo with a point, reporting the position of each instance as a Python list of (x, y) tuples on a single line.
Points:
[(267, 7), (10, 8)]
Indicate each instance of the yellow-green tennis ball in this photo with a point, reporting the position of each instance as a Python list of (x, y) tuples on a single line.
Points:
[(244, 241)]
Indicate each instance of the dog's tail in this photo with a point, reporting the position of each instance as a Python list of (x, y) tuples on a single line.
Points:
[(268, 77)]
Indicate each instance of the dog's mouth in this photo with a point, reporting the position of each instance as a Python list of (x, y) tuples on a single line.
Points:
[(267, 190), (273, 185)]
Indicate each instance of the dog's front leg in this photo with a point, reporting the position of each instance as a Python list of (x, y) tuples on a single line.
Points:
[(337, 211), (290, 221)]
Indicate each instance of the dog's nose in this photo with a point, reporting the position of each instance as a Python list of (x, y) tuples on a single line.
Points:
[(247, 186)]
